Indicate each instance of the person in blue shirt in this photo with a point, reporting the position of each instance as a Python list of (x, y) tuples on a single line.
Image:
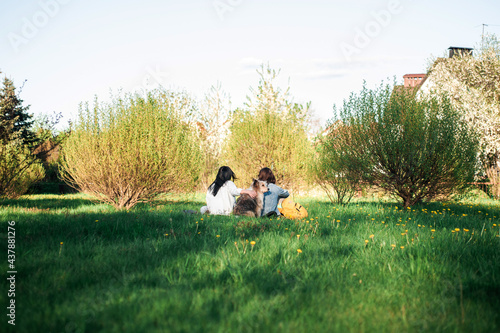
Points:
[(275, 193)]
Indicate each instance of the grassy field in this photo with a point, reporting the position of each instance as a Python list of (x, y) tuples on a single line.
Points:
[(369, 266)]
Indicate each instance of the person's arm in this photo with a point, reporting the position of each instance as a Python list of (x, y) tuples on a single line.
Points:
[(282, 193), (251, 193), (238, 191)]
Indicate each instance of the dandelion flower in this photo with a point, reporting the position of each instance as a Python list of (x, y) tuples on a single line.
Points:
[(61, 243), (299, 251), (366, 241), (252, 243), (402, 247), (457, 229), (217, 236), (371, 236), (298, 236), (393, 245), (433, 230)]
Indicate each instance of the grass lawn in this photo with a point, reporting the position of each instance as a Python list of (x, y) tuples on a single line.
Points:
[(369, 266)]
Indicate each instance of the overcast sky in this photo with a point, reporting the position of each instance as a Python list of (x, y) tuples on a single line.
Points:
[(71, 50)]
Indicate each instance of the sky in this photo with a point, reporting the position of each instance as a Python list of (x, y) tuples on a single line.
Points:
[(69, 51)]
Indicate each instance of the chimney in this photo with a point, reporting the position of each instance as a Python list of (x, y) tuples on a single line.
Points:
[(459, 50), (413, 80)]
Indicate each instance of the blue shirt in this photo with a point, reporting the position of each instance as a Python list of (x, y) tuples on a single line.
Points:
[(272, 197)]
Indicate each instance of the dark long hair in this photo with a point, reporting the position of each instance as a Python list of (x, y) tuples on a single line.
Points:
[(266, 175), (223, 175)]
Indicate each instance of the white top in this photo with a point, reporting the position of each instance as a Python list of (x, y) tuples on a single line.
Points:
[(223, 202)]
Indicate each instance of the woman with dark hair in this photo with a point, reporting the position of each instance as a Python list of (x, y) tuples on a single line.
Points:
[(275, 193), (221, 193)]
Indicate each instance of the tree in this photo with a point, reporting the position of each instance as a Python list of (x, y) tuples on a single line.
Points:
[(19, 167), (214, 120), (473, 84), (413, 148), (270, 132), (14, 117), (132, 149)]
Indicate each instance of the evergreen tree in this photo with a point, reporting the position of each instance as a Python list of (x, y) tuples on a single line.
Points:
[(15, 121)]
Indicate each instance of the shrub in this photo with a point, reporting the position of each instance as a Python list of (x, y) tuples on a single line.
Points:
[(339, 183), (270, 132), (19, 169), (412, 148), (132, 149)]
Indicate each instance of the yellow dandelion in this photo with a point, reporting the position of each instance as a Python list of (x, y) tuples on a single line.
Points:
[(403, 234), (201, 219), (298, 236), (252, 243), (366, 241), (97, 220), (217, 236), (457, 229), (393, 245), (433, 230), (62, 243), (299, 251), (166, 234), (466, 230), (402, 247), (371, 236)]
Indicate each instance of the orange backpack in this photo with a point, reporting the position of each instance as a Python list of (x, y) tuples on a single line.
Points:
[(292, 210)]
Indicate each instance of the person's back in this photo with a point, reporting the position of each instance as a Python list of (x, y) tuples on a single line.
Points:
[(221, 193), (223, 202), (271, 199), (275, 193)]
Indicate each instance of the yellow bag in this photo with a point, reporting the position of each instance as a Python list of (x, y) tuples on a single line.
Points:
[(292, 210)]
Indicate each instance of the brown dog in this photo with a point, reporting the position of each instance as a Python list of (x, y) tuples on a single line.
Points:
[(248, 206)]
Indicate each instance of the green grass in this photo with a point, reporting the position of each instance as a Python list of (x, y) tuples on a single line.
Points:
[(156, 269)]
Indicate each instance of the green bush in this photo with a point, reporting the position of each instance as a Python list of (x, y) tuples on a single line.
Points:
[(270, 132), (413, 148), (132, 149), (19, 169), (335, 179)]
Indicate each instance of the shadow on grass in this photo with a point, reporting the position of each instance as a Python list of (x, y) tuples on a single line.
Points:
[(73, 201), (53, 201)]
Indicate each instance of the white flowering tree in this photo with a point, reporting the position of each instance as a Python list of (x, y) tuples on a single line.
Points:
[(473, 84), (213, 120)]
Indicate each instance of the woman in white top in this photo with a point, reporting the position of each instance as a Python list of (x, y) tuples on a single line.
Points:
[(222, 192)]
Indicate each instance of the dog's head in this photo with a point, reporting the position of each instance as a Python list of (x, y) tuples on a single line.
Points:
[(259, 186)]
